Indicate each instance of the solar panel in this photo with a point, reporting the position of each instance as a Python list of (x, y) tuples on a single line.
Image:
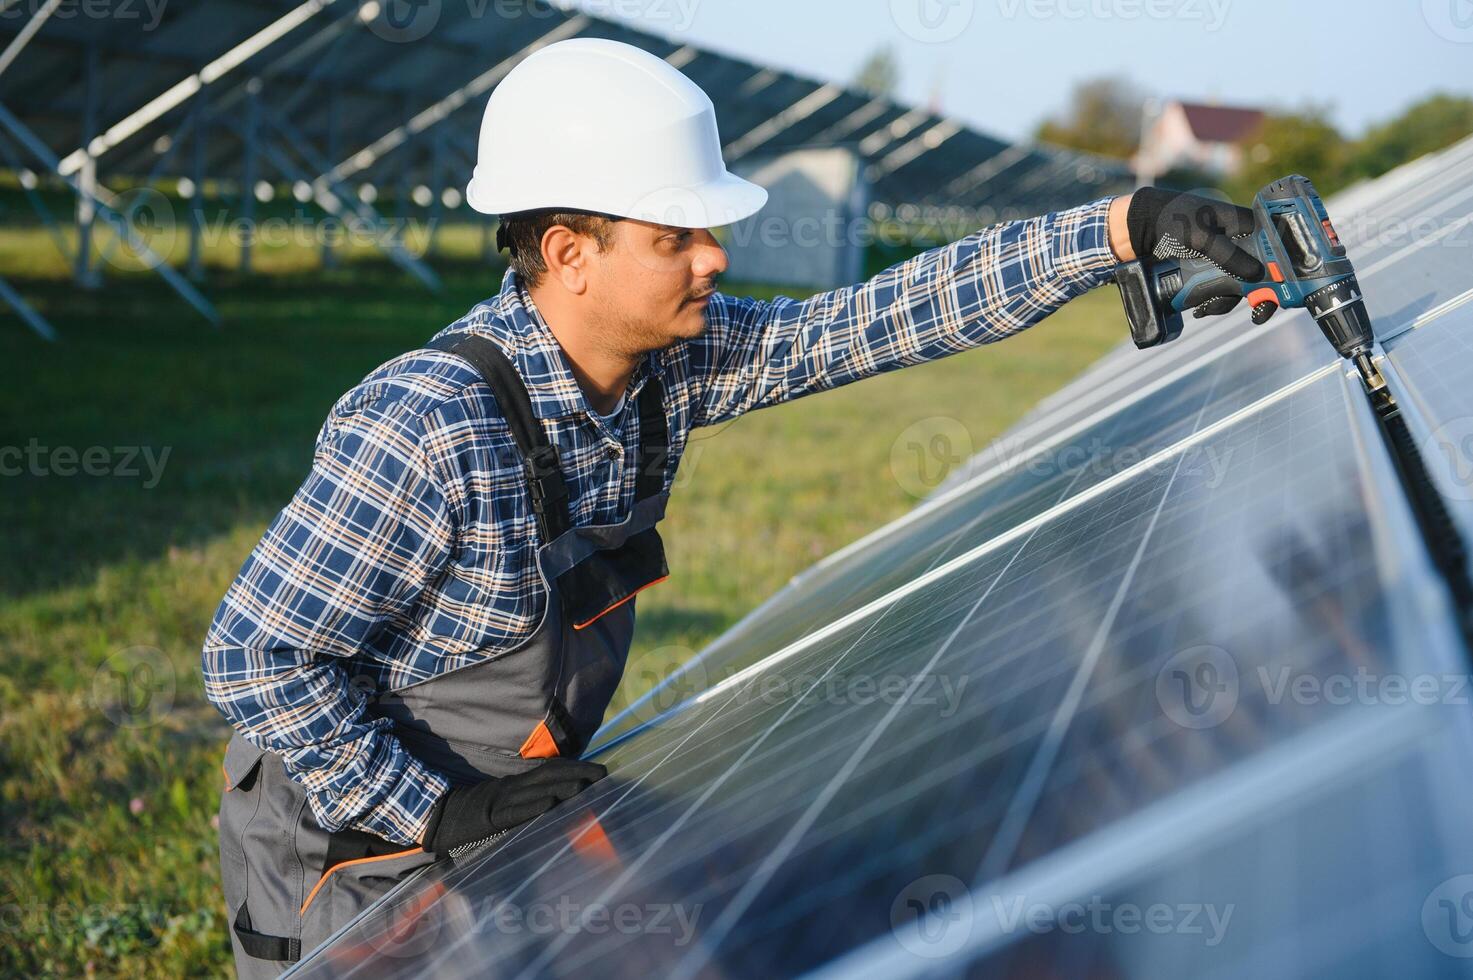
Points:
[(1433, 363), (1021, 484), (341, 69), (786, 820), (1234, 693)]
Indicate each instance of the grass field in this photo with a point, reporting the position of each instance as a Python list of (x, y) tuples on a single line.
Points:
[(108, 864)]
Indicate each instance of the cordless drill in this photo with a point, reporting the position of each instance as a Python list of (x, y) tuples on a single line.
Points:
[(1305, 263)]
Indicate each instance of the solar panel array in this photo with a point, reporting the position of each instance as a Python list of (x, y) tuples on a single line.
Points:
[(400, 99), (1202, 713)]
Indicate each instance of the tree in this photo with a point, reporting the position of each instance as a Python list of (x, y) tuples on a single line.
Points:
[(1103, 116), (1303, 142), (1435, 122), (879, 74)]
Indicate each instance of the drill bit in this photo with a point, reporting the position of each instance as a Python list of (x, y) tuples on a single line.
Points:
[(1374, 382)]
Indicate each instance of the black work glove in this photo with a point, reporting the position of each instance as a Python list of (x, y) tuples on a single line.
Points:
[(1167, 224), (467, 814)]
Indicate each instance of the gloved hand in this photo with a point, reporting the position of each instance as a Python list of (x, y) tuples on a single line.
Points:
[(470, 813), (1168, 224)]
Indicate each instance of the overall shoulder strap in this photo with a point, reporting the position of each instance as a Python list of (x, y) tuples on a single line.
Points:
[(654, 440), (539, 456)]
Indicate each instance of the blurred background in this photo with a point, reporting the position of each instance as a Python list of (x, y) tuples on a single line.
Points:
[(215, 218)]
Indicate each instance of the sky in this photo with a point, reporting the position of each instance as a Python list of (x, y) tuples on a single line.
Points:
[(1002, 65)]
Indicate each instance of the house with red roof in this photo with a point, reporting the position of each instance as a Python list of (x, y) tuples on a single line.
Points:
[(1196, 136)]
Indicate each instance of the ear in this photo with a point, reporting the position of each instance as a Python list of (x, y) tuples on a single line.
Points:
[(565, 254)]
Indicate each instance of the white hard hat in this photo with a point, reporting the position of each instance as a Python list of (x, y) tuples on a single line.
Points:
[(593, 125)]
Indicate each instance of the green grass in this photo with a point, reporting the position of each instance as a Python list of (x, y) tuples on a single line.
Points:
[(99, 570)]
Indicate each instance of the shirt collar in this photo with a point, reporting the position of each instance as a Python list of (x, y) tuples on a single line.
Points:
[(512, 319)]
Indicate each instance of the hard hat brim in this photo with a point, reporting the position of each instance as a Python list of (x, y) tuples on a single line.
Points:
[(722, 201)]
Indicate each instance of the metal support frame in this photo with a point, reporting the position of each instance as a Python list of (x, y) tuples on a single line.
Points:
[(28, 316), (250, 140), (406, 163), (199, 135), (332, 196), (23, 36), (85, 275), (436, 186), (334, 97), (53, 228), (38, 149), (765, 132)]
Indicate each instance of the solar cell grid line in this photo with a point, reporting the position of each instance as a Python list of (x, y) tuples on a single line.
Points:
[(556, 946), (1325, 576), (617, 725), (1420, 289), (1324, 921), (1383, 272), (468, 866), (764, 872), (1240, 342), (1407, 187), (1410, 178), (787, 752), (865, 574), (964, 594), (1282, 394), (1332, 379), (1020, 809), (558, 852), (1132, 368), (1431, 370), (1401, 643), (1396, 251), (1433, 184)]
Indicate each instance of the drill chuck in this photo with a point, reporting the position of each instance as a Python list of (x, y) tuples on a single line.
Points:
[(1341, 314)]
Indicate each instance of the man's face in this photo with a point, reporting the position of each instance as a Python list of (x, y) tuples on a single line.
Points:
[(653, 283)]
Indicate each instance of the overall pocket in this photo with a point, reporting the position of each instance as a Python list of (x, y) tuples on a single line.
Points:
[(252, 897), (351, 884)]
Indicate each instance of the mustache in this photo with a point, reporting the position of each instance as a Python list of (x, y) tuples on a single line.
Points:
[(707, 291)]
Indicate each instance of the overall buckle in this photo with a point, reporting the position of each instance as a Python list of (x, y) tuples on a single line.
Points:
[(544, 478)]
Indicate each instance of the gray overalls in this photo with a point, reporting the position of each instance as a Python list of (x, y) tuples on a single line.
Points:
[(289, 884)]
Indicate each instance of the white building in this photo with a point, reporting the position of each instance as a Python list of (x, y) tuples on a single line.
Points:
[(1196, 136)]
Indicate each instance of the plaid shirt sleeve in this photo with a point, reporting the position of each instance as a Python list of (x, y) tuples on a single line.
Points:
[(358, 542), (979, 289)]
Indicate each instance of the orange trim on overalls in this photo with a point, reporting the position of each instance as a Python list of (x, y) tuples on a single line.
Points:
[(226, 773), (540, 744), (343, 864), (590, 622)]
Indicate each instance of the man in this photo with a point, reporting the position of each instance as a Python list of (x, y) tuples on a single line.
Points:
[(424, 640)]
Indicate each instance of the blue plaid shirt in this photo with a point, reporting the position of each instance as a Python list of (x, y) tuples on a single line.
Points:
[(410, 549)]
